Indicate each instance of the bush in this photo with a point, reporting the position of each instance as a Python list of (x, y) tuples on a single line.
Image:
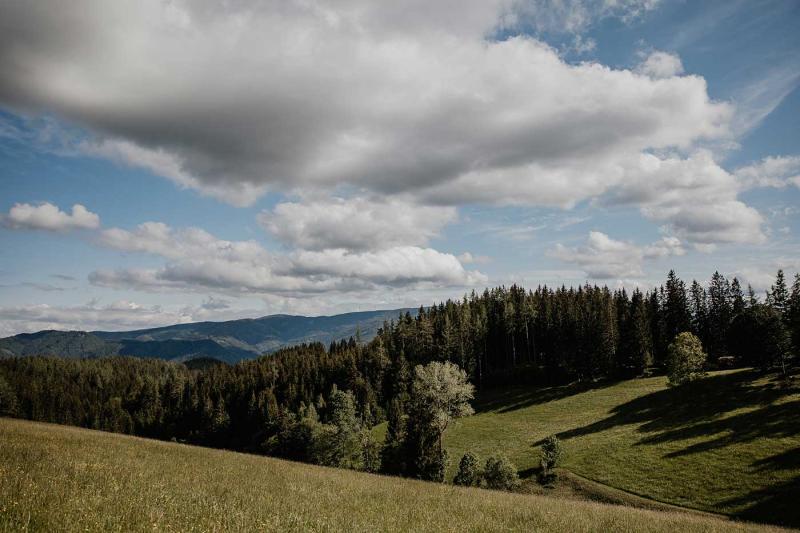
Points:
[(469, 473), (685, 359), (552, 454), (500, 473)]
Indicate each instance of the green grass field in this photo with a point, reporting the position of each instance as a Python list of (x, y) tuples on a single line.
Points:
[(55, 478), (727, 444)]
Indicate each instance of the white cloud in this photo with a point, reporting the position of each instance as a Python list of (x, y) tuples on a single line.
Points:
[(468, 258), (664, 247), (237, 100), (355, 223), (763, 94), (48, 217), (198, 261), (605, 258), (661, 65), (393, 266), (694, 197), (772, 171)]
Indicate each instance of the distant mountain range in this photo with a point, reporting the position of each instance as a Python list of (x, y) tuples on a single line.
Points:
[(229, 341)]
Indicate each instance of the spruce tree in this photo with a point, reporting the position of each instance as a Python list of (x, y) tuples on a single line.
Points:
[(793, 314), (677, 317), (719, 316), (778, 295), (736, 298)]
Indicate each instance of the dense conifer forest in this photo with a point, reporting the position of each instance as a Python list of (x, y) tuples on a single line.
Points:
[(316, 403)]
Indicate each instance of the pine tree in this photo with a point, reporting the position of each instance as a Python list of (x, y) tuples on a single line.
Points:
[(392, 456), (793, 314), (677, 317), (719, 316), (641, 343), (699, 306), (736, 298), (778, 295), (752, 299)]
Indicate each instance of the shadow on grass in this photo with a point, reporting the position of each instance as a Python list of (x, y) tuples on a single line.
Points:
[(704, 409), (695, 409), (777, 503), (507, 400)]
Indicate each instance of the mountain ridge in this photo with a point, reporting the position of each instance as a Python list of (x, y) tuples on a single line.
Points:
[(229, 341)]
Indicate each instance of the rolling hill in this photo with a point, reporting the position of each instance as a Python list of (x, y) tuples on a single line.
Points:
[(229, 341), (729, 443), (56, 478)]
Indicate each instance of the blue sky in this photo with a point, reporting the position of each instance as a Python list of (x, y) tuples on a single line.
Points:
[(255, 159)]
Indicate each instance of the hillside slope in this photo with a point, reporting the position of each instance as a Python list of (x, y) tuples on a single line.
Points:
[(229, 341), (55, 478), (727, 444)]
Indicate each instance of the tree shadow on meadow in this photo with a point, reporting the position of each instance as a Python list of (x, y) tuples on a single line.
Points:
[(696, 409), (776, 503), (514, 398), (704, 409)]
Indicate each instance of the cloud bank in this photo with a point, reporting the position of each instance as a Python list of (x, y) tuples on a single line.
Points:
[(199, 262), (238, 99)]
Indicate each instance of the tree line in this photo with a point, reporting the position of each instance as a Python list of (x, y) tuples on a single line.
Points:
[(315, 403)]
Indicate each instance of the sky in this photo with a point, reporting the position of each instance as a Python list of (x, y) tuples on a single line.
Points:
[(175, 161)]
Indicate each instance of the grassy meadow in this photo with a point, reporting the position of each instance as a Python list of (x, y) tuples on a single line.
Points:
[(56, 478), (727, 444)]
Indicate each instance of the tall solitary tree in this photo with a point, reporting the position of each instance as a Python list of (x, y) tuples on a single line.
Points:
[(440, 393), (685, 360)]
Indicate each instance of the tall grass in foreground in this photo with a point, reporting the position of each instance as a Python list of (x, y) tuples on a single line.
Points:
[(55, 478)]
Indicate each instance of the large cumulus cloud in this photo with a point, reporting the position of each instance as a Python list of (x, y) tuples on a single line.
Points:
[(240, 98)]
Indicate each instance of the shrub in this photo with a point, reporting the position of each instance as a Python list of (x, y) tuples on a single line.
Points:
[(500, 473), (552, 454), (685, 359), (469, 473)]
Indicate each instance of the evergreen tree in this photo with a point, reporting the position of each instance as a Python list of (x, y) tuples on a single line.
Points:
[(793, 315), (392, 453), (469, 472), (8, 399), (752, 299), (641, 344), (778, 295), (719, 316), (700, 311), (736, 298), (341, 446), (677, 317), (761, 337)]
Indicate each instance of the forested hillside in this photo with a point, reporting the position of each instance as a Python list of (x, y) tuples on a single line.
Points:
[(277, 404)]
